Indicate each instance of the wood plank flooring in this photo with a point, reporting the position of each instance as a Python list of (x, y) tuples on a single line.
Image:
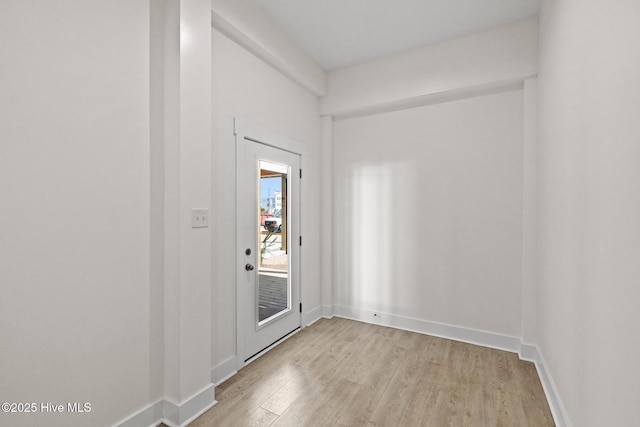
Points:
[(340, 372)]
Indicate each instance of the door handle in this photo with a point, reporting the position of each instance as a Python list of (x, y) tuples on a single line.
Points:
[(248, 267)]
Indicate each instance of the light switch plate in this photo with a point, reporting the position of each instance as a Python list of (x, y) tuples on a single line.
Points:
[(199, 218)]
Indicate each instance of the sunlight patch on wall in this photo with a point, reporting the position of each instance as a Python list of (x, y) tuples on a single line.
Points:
[(371, 234)]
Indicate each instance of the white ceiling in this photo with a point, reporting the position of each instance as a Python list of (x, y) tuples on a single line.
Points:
[(339, 33)]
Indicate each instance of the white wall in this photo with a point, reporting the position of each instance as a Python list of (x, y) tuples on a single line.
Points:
[(398, 96), (74, 209), (80, 308), (589, 195), (470, 64), (246, 87), (187, 171), (428, 212), (244, 23), (530, 212)]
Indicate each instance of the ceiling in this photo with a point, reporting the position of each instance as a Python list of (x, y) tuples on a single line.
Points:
[(340, 33)]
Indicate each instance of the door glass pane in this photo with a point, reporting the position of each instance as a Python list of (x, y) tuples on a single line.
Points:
[(274, 287)]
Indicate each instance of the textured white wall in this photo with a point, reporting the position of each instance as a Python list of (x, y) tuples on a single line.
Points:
[(74, 191), (589, 195), (428, 205), (245, 86)]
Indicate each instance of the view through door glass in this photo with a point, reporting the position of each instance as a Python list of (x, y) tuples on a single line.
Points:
[(274, 285)]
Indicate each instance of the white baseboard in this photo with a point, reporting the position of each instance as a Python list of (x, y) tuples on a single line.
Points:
[(179, 415), (225, 370), (556, 406), (457, 333), (173, 414), (529, 352), (311, 316), (327, 311), (149, 416)]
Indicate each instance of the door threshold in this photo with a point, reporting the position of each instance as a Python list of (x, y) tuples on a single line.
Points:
[(266, 349)]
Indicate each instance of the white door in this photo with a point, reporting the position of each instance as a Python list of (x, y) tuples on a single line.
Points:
[(268, 218)]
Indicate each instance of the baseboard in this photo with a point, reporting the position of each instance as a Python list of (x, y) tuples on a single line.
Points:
[(225, 370), (327, 311), (529, 352), (556, 406), (179, 415), (173, 414), (457, 333), (311, 316), (149, 416)]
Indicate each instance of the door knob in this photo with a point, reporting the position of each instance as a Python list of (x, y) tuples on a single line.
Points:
[(248, 267)]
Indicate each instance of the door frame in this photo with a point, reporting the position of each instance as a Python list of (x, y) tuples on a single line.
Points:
[(246, 131)]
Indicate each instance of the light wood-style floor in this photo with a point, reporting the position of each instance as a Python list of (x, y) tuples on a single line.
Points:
[(340, 372)]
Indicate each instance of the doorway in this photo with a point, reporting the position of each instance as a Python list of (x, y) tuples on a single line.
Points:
[(268, 240)]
